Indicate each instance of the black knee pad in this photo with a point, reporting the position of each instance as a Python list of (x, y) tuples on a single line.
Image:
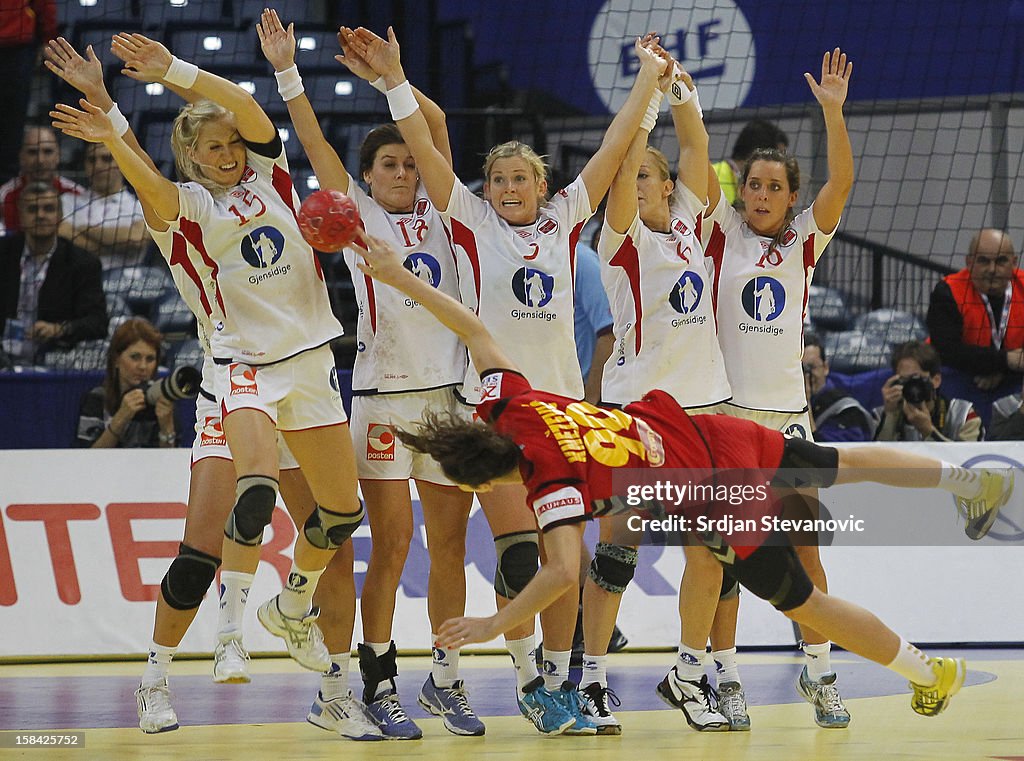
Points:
[(730, 588), (774, 574), (613, 567), (188, 578), (805, 463), (254, 507), (328, 530), (518, 558)]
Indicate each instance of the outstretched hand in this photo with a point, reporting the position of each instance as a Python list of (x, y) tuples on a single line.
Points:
[(383, 56), (144, 59), (647, 50), (84, 74), (276, 42), (90, 123), (835, 79), (350, 59), (379, 260)]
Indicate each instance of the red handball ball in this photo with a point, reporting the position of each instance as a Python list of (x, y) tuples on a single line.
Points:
[(329, 220)]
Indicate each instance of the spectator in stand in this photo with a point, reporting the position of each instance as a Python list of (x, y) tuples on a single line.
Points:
[(835, 415), (976, 315), (116, 414), (51, 293), (106, 219), (914, 410), (1007, 423), (757, 133), (24, 26), (38, 160)]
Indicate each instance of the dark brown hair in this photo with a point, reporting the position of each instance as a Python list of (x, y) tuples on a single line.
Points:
[(924, 354), (130, 331), (385, 134), (470, 453), (789, 163)]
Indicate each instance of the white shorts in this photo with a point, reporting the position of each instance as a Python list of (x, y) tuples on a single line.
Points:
[(380, 456), (795, 424), (298, 393), (210, 441)]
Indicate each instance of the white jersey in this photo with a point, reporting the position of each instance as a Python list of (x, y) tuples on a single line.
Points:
[(269, 301), (520, 281), (401, 346), (761, 298), (659, 287)]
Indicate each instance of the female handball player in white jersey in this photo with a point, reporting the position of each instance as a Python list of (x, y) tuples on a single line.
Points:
[(407, 364), (211, 494), (518, 251), (765, 259), (659, 285)]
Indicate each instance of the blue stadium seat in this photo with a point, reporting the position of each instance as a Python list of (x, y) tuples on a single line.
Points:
[(155, 137), (117, 305), (137, 98), (88, 355), (215, 49), (896, 326), (141, 287), (315, 50), (188, 352), (159, 14), (341, 93), (171, 316), (855, 351), (827, 309), (79, 14), (99, 37), (305, 181), (247, 12)]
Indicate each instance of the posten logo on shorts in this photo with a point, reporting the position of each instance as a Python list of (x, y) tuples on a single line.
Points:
[(212, 432), (380, 442), (243, 379)]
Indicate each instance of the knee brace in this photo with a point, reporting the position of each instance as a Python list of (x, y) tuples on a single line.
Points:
[(255, 497), (518, 557), (730, 588), (805, 463), (327, 530), (613, 567), (188, 578)]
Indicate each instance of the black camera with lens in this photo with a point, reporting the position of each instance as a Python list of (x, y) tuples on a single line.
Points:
[(181, 383), (917, 389)]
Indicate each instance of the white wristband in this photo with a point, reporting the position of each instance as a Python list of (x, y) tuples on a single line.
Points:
[(378, 85), (696, 102), (289, 83), (181, 73), (401, 101), (117, 120), (678, 93), (651, 117)]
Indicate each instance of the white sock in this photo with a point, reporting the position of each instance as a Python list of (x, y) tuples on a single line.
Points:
[(445, 665), (158, 663), (818, 660), (911, 664), (725, 665), (296, 599), (558, 671), (690, 663), (595, 669), (524, 659), (334, 681), (234, 593), (963, 482)]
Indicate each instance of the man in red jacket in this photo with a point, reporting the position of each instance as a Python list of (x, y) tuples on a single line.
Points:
[(976, 315)]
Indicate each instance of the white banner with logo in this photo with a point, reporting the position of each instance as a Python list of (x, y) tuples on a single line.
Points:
[(86, 536)]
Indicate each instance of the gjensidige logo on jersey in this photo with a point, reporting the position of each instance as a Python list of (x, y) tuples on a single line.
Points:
[(243, 379), (262, 248), (212, 433), (426, 268), (533, 288), (380, 442), (712, 41), (685, 298), (763, 300)]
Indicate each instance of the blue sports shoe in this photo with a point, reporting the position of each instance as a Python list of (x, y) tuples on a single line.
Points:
[(452, 705), (569, 698), (543, 709), (392, 719)]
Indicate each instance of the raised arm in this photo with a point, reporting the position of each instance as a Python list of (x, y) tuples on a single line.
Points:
[(147, 60), (622, 201), (92, 125), (692, 137), (831, 94), (434, 166), (599, 171), (382, 263)]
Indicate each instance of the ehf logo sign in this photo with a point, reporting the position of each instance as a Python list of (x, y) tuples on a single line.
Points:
[(712, 41)]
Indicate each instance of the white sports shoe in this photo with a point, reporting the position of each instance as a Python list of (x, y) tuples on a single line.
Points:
[(303, 637), (345, 715), (696, 699), (156, 714), (231, 662)]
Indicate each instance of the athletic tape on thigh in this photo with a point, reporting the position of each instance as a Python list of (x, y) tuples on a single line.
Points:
[(613, 567), (188, 577), (518, 556)]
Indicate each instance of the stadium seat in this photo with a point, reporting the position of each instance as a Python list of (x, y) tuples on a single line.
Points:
[(855, 351), (827, 309), (315, 50), (88, 355), (172, 317), (141, 287), (896, 326), (341, 93), (80, 14), (188, 352), (155, 137), (213, 49), (247, 12), (160, 14), (305, 181), (135, 99)]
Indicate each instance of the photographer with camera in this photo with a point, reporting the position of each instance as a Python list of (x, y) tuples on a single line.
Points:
[(131, 409), (914, 410)]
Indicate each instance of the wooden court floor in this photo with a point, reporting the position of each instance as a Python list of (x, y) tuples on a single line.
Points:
[(265, 719)]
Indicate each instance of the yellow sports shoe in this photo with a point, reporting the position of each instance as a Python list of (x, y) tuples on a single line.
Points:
[(932, 700), (981, 512)]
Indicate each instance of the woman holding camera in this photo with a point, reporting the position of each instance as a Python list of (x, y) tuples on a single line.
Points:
[(116, 414), (913, 408)]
